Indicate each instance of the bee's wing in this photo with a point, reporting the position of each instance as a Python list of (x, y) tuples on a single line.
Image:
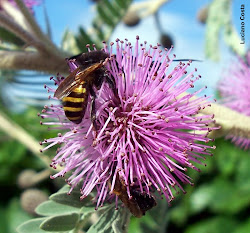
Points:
[(73, 80)]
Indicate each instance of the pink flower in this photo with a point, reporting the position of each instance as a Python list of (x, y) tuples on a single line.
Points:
[(29, 3), (148, 133), (234, 89)]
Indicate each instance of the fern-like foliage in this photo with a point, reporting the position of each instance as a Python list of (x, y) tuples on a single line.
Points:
[(109, 14)]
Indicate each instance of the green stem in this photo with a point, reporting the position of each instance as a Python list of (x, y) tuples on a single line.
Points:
[(18, 133), (231, 122)]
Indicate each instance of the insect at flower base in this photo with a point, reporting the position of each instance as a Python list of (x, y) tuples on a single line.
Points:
[(138, 203), (75, 89)]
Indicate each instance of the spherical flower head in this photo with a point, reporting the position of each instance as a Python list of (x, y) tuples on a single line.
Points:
[(234, 89), (149, 131)]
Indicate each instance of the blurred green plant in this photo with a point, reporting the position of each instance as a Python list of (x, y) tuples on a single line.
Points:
[(221, 23)]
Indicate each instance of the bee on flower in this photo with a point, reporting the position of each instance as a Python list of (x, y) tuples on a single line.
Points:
[(140, 130)]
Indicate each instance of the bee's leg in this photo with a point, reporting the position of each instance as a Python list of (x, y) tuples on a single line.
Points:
[(92, 108), (111, 81)]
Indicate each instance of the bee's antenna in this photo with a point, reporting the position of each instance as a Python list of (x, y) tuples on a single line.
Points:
[(187, 60)]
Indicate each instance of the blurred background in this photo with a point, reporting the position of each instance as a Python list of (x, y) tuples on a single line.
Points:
[(208, 31)]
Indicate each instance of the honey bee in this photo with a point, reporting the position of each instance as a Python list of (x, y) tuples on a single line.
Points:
[(75, 89), (138, 204)]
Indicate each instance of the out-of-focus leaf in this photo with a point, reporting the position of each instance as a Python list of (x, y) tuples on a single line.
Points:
[(3, 220), (15, 215), (10, 37), (179, 213), (50, 208), (214, 225), (31, 226), (83, 38), (12, 154), (226, 156), (243, 227), (221, 196), (217, 22), (69, 43), (135, 225), (242, 178), (60, 223), (201, 198), (105, 15), (109, 14)]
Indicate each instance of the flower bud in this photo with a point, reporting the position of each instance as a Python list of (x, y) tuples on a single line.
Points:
[(202, 15), (24, 179), (131, 19), (31, 198), (166, 41)]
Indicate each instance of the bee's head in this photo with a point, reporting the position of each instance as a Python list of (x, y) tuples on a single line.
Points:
[(89, 58)]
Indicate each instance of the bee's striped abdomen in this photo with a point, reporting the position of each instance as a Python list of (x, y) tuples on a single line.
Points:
[(75, 103)]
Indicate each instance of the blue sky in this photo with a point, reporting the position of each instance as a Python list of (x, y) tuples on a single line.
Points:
[(178, 18)]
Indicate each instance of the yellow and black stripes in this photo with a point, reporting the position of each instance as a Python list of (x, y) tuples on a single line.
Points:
[(76, 102)]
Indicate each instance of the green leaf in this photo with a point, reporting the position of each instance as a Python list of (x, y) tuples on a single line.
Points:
[(60, 223), (214, 225), (116, 226), (243, 172), (3, 220), (226, 197), (10, 37), (179, 213), (88, 210), (98, 31), (226, 155), (31, 226), (73, 199), (104, 223), (151, 221), (122, 4), (104, 14), (50, 208), (215, 23), (114, 9), (109, 14), (243, 227), (15, 214), (83, 38), (64, 189), (135, 225), (69, 43), (201, 198)]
